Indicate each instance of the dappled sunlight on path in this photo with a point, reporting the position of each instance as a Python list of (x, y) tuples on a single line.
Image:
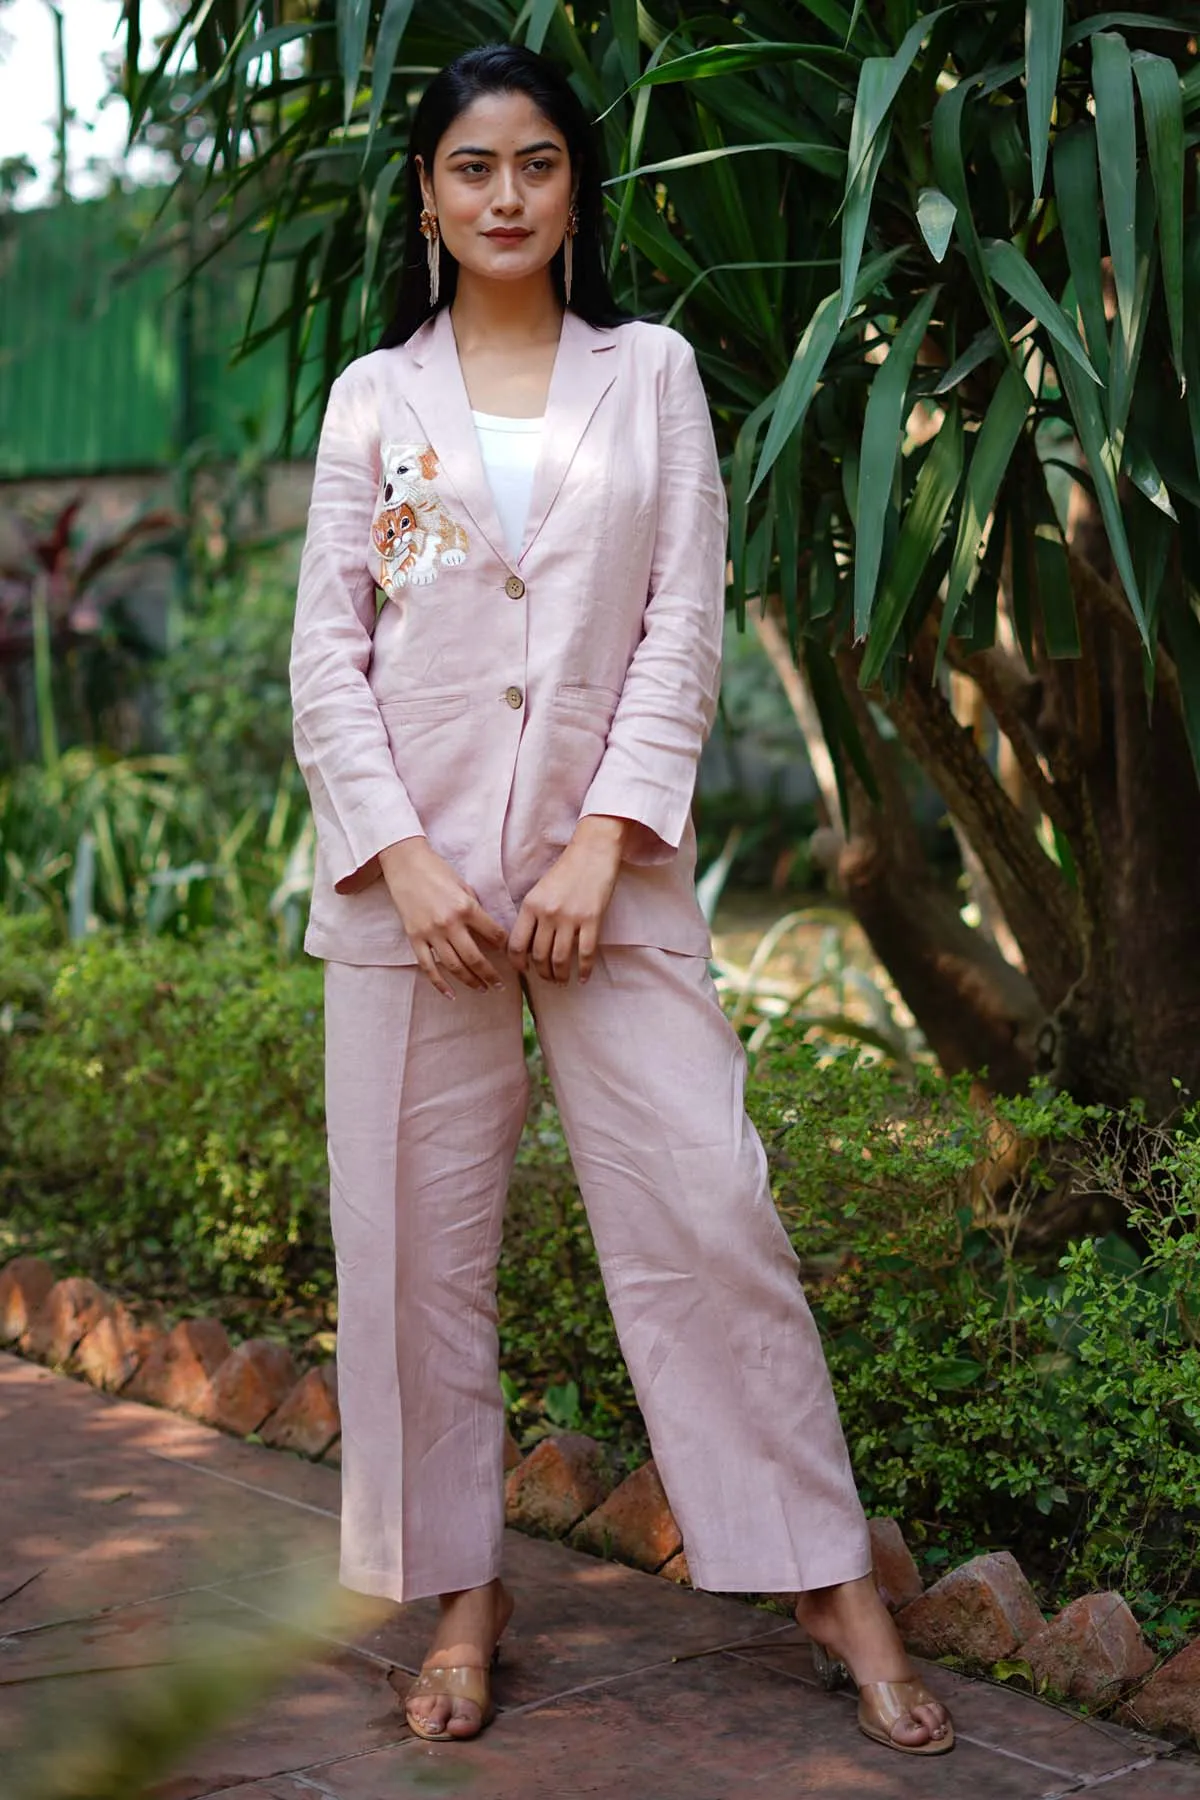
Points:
[(131, 1535)]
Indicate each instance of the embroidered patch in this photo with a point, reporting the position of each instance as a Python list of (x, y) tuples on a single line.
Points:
[(412, 534)]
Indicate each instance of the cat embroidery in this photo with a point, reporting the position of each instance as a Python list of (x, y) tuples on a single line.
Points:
[(393, 534), (413, 535)]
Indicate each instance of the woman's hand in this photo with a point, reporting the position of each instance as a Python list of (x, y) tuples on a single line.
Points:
[(441, 916), (563, 912)]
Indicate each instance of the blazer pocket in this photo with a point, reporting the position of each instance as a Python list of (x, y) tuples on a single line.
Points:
[(421, 707), (586, 696)]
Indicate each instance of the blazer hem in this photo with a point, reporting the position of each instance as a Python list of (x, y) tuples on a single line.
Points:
[(386, 953)]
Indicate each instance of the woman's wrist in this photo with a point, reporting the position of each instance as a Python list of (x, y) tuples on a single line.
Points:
[(603, 831), (397, 856)]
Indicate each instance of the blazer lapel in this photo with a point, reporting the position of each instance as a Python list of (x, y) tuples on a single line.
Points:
[(584, 370), (582, 373), (438, 396)]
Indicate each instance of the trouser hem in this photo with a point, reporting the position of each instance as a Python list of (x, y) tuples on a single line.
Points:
[(790, 1581), (390, 1584)]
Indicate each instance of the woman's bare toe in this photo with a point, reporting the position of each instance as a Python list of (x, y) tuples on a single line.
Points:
[(466, 1720), (431, 1712)]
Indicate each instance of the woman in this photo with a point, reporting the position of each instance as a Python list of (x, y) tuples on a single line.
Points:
[(501, 752)]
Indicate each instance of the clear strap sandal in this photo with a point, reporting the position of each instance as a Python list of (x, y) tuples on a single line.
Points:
[(882, 1705)]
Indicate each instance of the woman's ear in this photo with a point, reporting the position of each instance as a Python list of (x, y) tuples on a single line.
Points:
[(426, 186)]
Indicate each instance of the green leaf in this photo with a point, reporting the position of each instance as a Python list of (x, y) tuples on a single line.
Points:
[(1143, 472), (1116, 136), (883, 424), (392, 26), (1055, 595), (838, 726), (274, 39), (985, 343), (975, 627), (1126, 353), (1043, 53), (786, 485), (631, 150), (994, 444), (824, 157), (1191, 343), (1009, 270), (950, 1373), (948, 166), (854, 219), (1162, 112), (353, 17), (624, 15), (932, 496), (935, 216), (878, 84), (731, 59), (1077, 191), (540, 16), (377, 210), (740, 470), (792, 399), (1136, 21), (795, 393), (1097, 448)]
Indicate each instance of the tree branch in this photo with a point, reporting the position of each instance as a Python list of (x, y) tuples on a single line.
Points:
[(1031, 889)]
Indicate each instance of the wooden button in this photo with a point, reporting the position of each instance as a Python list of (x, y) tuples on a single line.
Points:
[(514, 696), (514, 587)]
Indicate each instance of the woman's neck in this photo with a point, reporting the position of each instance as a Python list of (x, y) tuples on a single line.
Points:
[(512, 315)]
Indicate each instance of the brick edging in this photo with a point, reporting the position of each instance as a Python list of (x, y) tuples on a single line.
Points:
[(1091, 1652)]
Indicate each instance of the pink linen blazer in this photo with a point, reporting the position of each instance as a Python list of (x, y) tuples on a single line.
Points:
[(442, 687)]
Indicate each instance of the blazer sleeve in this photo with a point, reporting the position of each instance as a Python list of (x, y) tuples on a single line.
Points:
[(669, 696), (359, 801)]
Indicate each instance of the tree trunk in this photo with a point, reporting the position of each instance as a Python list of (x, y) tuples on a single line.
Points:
[(973, 1007)]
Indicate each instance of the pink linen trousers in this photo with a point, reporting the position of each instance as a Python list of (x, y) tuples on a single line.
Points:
[(444, 688)]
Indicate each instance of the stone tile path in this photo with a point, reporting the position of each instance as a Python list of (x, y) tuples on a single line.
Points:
[(124, 1527)]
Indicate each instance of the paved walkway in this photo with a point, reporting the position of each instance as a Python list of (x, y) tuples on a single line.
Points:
[(124, 1526)]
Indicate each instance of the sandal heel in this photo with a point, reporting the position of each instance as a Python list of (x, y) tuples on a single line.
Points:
[(831, 1673)]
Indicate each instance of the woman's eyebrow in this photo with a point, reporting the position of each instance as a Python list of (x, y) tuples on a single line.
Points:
[(526, 150)]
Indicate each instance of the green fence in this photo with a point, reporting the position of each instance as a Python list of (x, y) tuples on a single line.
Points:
[(107, 362)]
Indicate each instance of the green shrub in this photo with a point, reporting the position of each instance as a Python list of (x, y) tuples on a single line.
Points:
[(164, 1112), (987, 1400)]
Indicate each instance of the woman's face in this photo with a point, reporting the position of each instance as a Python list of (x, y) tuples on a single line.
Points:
[(501, 187)]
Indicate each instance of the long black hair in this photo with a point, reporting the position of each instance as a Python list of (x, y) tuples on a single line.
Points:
[(503, 69)]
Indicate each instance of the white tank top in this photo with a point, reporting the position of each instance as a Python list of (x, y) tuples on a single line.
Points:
[(509, 448)]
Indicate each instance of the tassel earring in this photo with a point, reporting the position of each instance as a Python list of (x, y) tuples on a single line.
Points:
[(433, 251), (568, 253)]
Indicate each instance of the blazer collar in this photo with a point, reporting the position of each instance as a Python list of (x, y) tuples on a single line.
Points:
[(582, 374)]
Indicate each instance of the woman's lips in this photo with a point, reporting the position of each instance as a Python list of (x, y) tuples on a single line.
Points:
[(508, 237)]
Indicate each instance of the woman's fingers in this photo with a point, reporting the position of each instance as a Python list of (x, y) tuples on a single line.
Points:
[(521, 937), (430, 970), (589, 936), (486, 929), (553, 950), (477, 971), (562, 954), (542, 948)]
